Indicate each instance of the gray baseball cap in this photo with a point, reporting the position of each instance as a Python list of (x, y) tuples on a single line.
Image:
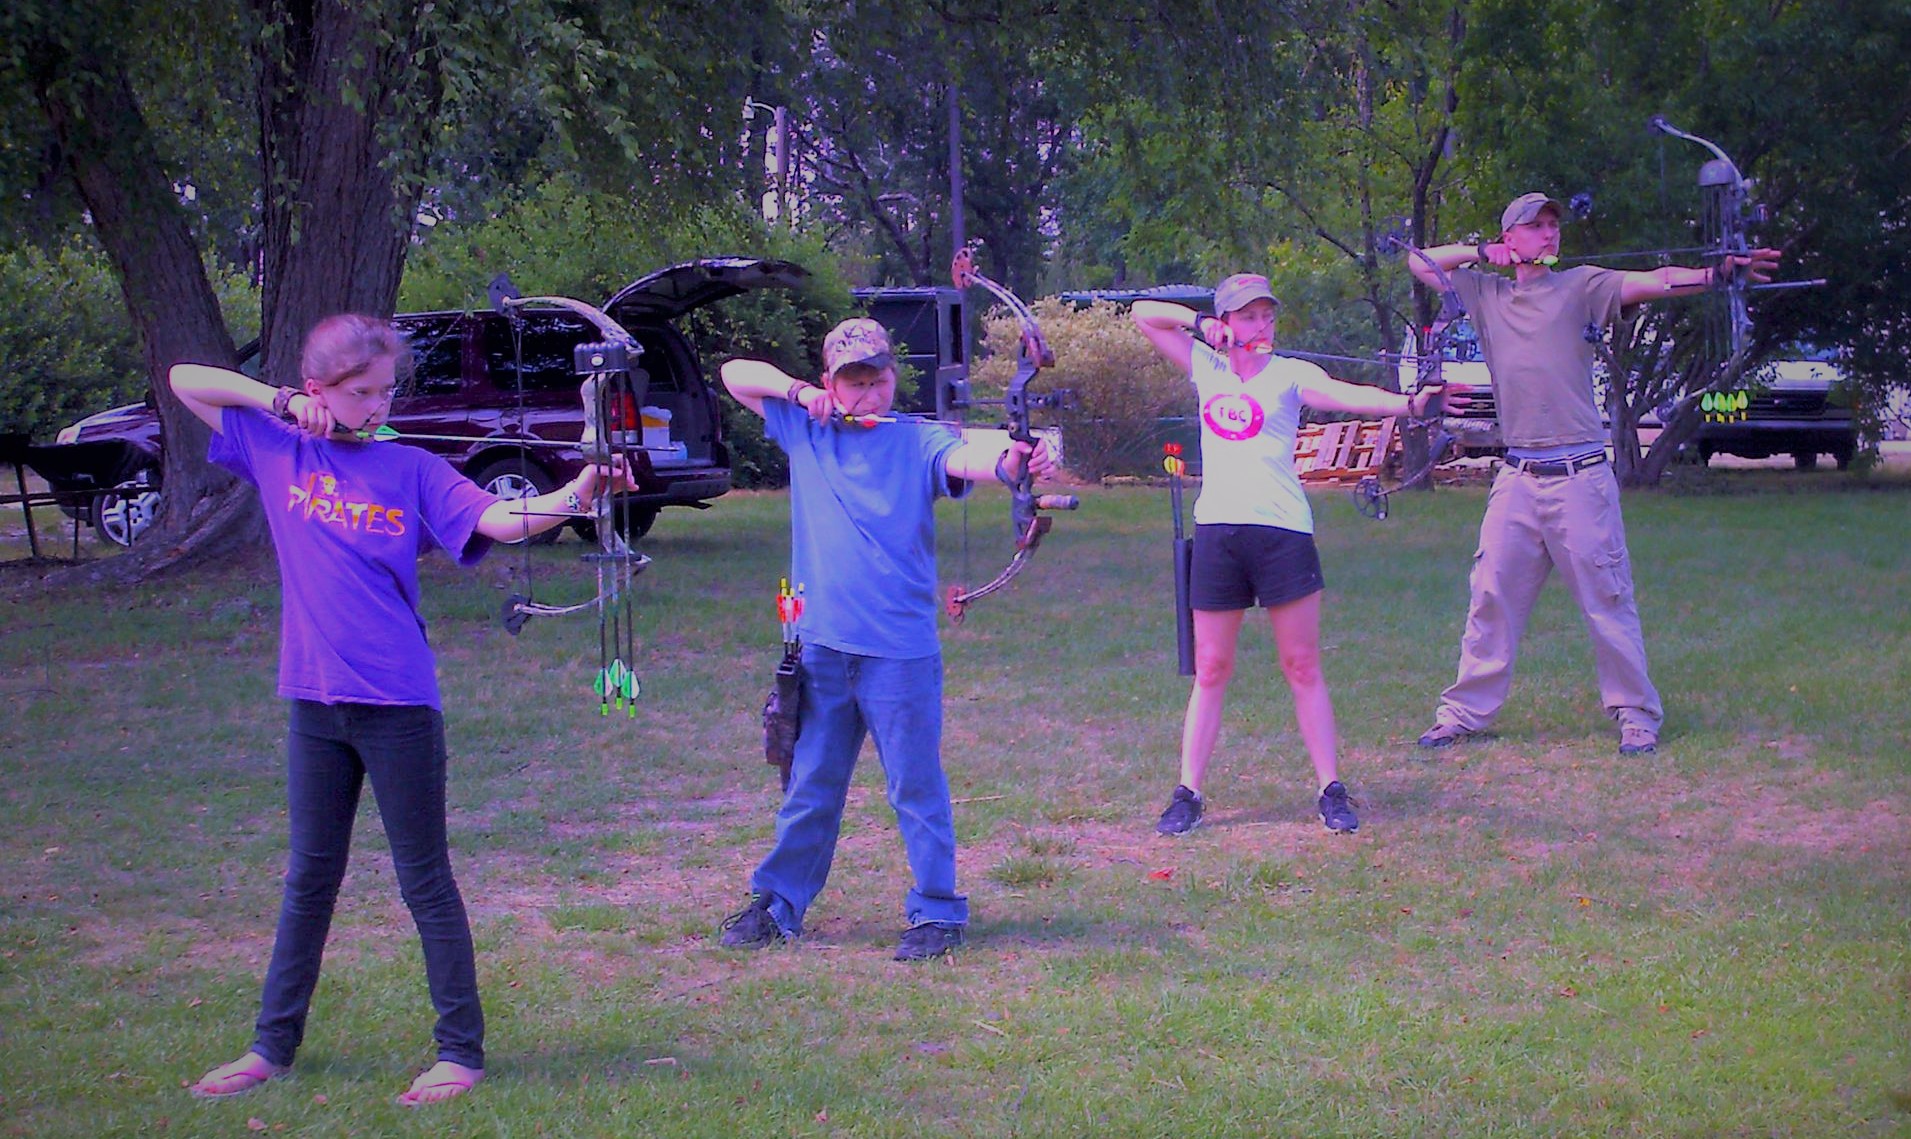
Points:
[(1237, 291), (1526, 207)]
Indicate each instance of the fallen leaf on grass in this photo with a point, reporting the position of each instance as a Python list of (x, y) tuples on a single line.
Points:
[(320, 1099), (1163, 874), (823, 1116), (256, 1124)]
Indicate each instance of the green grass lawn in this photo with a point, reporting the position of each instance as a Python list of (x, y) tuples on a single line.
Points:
[(1528, 936)]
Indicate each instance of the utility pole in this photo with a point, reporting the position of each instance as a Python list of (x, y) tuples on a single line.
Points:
[(955, 170)]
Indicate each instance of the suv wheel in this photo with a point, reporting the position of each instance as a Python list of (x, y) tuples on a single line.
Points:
[(519, 478), (636, 521), (1805, 460), (122, 518)]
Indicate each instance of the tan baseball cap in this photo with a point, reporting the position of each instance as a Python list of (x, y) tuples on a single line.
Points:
[(1525, 208), (858, 340), (1238, 291)]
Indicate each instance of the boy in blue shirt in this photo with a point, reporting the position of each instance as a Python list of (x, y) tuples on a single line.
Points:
[(862, 523)]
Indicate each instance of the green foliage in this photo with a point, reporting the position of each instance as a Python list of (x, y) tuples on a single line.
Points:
[(66, 347), (560, 236), (65, 342), (1122, 387), (1809, 99)]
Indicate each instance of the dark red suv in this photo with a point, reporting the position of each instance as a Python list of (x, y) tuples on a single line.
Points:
[(468, 382)]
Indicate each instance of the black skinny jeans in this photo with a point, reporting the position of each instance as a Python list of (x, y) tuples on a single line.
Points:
[(331, 748)]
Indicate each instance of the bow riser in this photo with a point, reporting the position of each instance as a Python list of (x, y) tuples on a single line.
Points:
[(1025, 506)]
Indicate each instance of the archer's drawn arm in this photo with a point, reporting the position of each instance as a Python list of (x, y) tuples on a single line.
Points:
[(1755, 265)]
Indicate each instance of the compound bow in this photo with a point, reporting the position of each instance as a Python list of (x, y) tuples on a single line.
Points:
[(1727, 213), (1370, 494), (1025, 506), (612, 394)]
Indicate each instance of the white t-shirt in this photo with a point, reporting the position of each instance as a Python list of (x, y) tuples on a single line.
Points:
[(1247, 442)]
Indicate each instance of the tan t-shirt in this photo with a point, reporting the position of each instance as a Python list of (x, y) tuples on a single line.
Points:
[(1534, 340)]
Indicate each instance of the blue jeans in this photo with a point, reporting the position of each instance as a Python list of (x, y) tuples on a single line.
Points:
[(846, 698), (331, 748)]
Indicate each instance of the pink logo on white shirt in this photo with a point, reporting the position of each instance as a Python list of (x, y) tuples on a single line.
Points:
[(1234, 416)]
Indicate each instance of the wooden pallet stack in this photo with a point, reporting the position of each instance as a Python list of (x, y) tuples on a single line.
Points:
[(1345, 451)]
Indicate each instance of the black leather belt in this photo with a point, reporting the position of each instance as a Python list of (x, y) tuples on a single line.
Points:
[(1553, 468)]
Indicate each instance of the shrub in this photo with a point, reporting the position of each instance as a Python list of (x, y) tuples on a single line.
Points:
[(1122, 390), (67, 348)]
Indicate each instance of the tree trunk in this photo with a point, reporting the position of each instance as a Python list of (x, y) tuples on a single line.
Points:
[(336, 225), (89, 102)]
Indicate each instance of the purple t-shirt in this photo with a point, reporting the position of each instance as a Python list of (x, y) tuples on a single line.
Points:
[(349, 521)]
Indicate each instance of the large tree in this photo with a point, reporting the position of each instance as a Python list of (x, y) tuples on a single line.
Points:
[(1811, 101), (343, 109)]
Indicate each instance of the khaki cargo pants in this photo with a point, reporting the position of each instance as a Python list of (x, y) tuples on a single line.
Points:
[(1533, 524)]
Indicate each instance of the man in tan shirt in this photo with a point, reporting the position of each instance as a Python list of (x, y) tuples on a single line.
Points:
[(1555, 502)]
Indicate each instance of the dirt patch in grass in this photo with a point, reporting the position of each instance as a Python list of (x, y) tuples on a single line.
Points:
[(1813, 811), (1693, 823)]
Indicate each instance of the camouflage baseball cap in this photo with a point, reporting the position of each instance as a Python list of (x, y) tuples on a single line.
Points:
[(858, 340)]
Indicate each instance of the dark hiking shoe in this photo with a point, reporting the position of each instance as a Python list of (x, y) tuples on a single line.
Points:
[(1337, 810), (1183, 813), (752, 927), (1638, 741), (1443, 735), (930, 939)]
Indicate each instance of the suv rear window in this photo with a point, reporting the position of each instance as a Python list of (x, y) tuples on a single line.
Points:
[(437, 352), (545, 346)]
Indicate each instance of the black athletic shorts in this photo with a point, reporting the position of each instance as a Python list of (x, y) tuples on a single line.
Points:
[(1237, 566)]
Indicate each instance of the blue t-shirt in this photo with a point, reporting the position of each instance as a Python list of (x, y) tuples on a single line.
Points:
[(349, 521), (863, 529)]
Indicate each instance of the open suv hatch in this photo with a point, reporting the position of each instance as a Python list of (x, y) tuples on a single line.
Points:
[(491, 382)]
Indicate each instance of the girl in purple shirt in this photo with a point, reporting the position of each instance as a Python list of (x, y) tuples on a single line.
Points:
[(349, 519)]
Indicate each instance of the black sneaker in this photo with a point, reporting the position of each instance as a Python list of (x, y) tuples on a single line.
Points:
[(1337, 810), (1637, 741), (930, 939), (752, 927), (1443, 735), (1183, 813)]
